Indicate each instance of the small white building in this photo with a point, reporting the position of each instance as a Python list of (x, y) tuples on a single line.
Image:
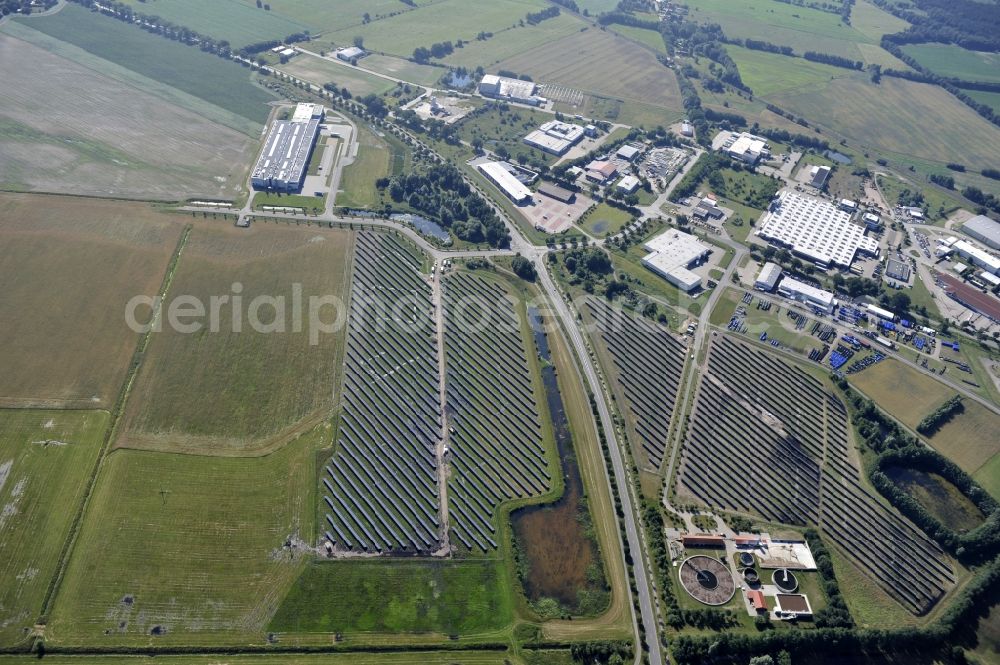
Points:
[(879, 313), (628, 152), (807, 294), (351, 53), (672, 255), (628, 184), (768, 277), (847, 205), (687, 130)]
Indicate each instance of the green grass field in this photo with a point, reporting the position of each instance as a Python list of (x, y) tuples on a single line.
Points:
[(506, 128), (236, 388), (327, 15), (403, 69), (74, 350), (939, 205), (513, 40), (455, 597), (237, 22), (605, 220), (311, 204), (603, 64), (650, 38), (377, 157), (990, 98), (191, 544), (321, 71), (350, 658), (207, 77), (447, 20), (45, 460), (893, 117), (956, 62), (770, 73)]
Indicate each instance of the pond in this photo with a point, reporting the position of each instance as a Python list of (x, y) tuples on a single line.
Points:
[(838, 157), (559, 558), (459, 81), (423, 225), (941, 499)]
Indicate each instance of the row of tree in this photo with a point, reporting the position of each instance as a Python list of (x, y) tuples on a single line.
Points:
[(934, 420)]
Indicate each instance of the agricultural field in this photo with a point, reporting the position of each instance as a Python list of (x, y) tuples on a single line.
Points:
[(347, 658), (983, 97), (793, 436), (404, 70), (322, 71), (603, 64), (894, 116), (324, 16), (189, 549), (956, 62), (648, 363), (84, 126), (65, 340), (220, 82), (464, 598), (802, 28), (46, 458), (513, 40), (378, 156), (649, 38), (262, 370), (447, 20), (239, 23), (381, 484), (770, 73), (498, 450)]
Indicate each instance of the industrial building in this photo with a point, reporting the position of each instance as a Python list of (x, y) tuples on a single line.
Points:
[(601, 171), (513, 90), (500, 175), (815, 230), (557, 193), (807, 294), (285, 157), (628, 152), (978, 257), (879, 313), (897, 270), (748, 148), (628, 184), (818, 175), (555, 137), (768, 277), (708, 208), (872, 221), (687, 130), (983, 229), (351, 53), (847, 205), (672, 255)]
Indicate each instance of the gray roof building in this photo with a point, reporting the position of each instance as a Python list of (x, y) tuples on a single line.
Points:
[(983, 229)]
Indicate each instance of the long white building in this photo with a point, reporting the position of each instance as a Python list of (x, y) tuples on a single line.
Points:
[(514, 90), (283, 160), (807, 294), (555, 137), (673, 254), (983, 229), (505, 181), (816, 230), (976, 256)]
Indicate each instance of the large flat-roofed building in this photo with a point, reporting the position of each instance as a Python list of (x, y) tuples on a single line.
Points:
[(983, 229), (748, 148), (500, 175), (768, 277), (672, 255), (513, 90), (807, 294), (976, 256), (555, 137), (283, 161), (815, 230)]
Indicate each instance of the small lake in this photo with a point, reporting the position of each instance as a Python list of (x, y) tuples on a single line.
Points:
[(459, 81), (422, 224), (561, 558), (838, 157), (941, 499)]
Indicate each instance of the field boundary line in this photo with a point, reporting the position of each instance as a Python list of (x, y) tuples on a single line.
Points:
[(116, 414)]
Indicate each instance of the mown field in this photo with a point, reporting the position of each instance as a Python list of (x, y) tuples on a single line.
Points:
[(194, 545), (377, 157), (236, 388), (220, 82), (968, 439), (321, 71), (73, 123), (894, 117), (45, 460), (605, 220), (512, 40), (237, 22), (956, 62), (355, 658), (990, 98), (770, 73), (464, 598), (446, 20), (601, 63), (69, 267), (328, 15), (650, 38), (403, 69)]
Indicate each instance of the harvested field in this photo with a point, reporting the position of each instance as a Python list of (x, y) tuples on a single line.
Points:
[(327, 15), (648, 362), (46, 458), (601, 63), (381, 491), (498, 448), (511, 41), (970, 439), (779, 447), (348, 658), (236, 388), (903, 392), (64, 337), (404, 70), (71, 129), (770, 73), (194, 545)]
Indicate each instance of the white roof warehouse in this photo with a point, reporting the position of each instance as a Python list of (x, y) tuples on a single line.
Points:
[(283, 160), (672, 254)]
